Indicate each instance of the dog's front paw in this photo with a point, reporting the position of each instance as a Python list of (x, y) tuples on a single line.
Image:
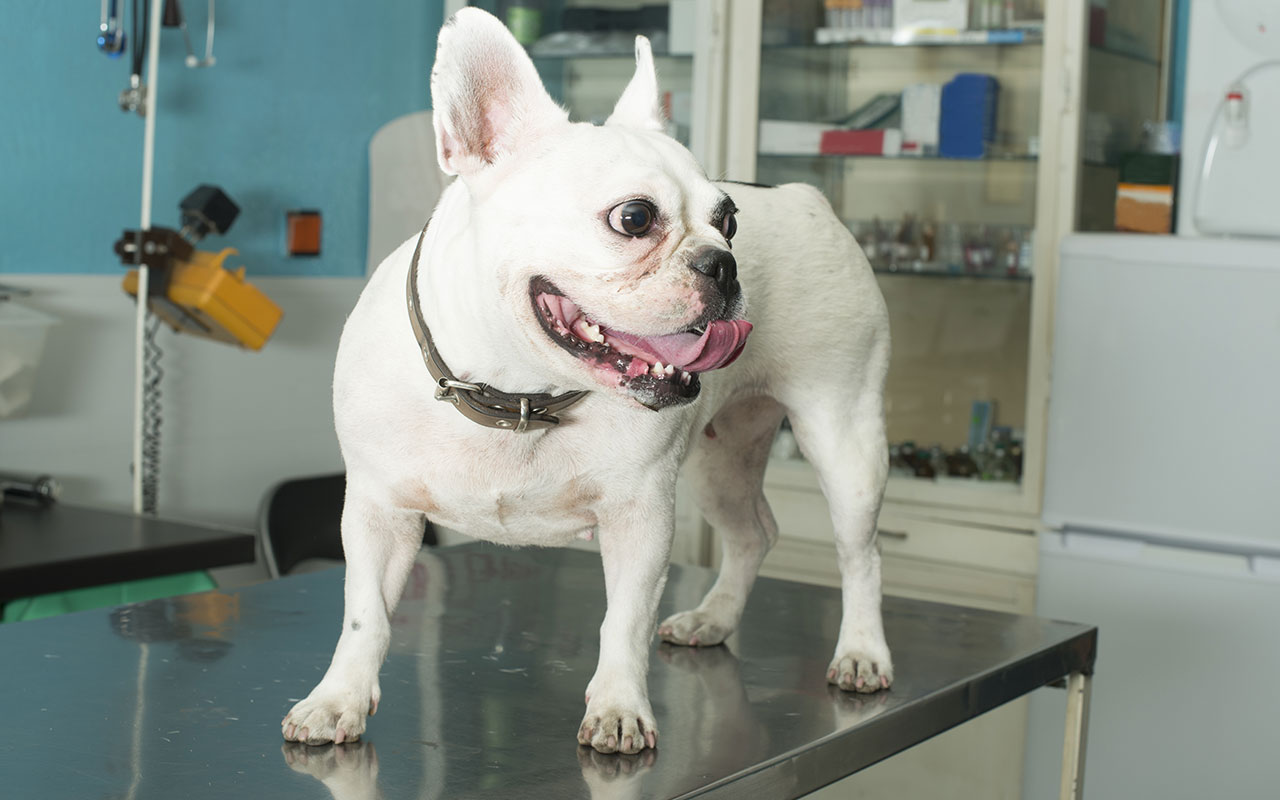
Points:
[(696, 628), (618, 728), (329, 715), (861, 669)]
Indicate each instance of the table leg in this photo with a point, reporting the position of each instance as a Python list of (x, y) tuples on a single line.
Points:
[(1078, 687)]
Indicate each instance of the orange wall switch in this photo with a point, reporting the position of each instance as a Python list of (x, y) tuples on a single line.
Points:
[(302, 232)]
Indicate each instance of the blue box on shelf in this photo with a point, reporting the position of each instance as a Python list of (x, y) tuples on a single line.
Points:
[(968, 115)]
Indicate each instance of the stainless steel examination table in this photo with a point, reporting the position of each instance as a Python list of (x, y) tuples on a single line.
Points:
[(482, 690)]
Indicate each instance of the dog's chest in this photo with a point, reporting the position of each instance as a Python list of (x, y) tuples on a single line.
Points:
[(529, 501)]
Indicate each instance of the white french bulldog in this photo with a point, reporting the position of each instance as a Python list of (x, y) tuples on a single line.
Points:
[(591, 267)]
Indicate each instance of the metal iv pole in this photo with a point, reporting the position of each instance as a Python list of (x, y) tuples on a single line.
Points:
[(148, 177)]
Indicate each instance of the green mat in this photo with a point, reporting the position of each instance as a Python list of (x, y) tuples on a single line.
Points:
[(112, 594)]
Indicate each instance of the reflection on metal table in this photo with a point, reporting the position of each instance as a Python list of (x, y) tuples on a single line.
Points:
[(482, 690), (59, 547)]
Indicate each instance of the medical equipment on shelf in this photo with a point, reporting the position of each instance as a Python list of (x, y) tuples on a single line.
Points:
[(113, 41), (193, 290), (174, 18), (111, 38), (134, 96)]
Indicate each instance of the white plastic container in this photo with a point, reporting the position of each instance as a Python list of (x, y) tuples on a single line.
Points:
[(22, 335)]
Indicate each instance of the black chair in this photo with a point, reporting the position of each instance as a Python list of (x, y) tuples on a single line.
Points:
[(300, 521)]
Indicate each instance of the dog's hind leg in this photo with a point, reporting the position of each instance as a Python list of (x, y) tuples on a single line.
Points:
[(726, 465), (843, 437), (379, 543)]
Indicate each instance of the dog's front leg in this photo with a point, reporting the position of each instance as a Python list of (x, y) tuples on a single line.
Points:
[(635, 549), (380, 544)]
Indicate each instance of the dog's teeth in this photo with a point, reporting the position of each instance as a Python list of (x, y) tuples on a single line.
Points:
[(685, 377), (658, 370), (593, 332), (670, 370)]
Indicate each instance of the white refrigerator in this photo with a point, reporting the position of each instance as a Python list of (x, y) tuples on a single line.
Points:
[(1162, 514)]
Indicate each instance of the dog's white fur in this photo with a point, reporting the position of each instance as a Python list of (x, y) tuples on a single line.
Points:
[(533, 199)]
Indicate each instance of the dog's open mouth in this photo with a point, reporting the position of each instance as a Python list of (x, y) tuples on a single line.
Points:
[(659, 371)]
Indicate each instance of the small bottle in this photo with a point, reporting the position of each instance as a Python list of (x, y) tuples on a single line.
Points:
[(524, 20), (1010, 252), (987, 248), (872, 245), (928, 242), (905, 244), (972, 253), (833, 13), (951, 247)]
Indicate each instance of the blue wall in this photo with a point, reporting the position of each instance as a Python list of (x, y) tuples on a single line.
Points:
[(282, 121)]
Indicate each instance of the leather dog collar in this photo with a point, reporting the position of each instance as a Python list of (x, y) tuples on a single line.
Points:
[(480, 402)]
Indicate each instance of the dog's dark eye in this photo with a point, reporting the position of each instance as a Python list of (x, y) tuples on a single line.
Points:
[(634, 218), (729, 226)]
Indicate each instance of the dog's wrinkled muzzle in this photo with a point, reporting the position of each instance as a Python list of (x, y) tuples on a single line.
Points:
[(719, 265)]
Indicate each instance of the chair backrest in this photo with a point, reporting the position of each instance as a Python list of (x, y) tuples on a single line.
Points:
[(301, 518)]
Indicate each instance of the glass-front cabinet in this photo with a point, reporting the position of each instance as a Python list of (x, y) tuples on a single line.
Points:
[(946, 217), (925, 134), (958, 140)]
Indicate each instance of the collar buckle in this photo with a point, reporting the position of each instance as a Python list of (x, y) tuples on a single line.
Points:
[(447, 389)]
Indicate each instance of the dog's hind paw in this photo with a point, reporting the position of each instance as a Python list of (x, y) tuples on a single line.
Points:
[(326, 716), (695, 629), (860, 672)]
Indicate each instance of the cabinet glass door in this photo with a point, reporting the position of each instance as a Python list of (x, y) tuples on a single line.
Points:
[(920, 122), (1126, 138), (585, 51)]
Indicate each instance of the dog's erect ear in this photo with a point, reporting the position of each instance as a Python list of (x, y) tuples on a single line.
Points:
[(486, 95), (638, 107)]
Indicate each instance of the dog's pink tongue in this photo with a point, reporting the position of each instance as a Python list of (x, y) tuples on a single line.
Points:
[(717, 347)]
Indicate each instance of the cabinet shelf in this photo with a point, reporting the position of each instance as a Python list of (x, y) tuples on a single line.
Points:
[(1126, 54), (941, 271), (881, 37), (1001, 159), (605, 55), (797, 473)]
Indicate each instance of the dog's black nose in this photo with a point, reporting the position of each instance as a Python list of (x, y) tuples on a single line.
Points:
[(717, 264)]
